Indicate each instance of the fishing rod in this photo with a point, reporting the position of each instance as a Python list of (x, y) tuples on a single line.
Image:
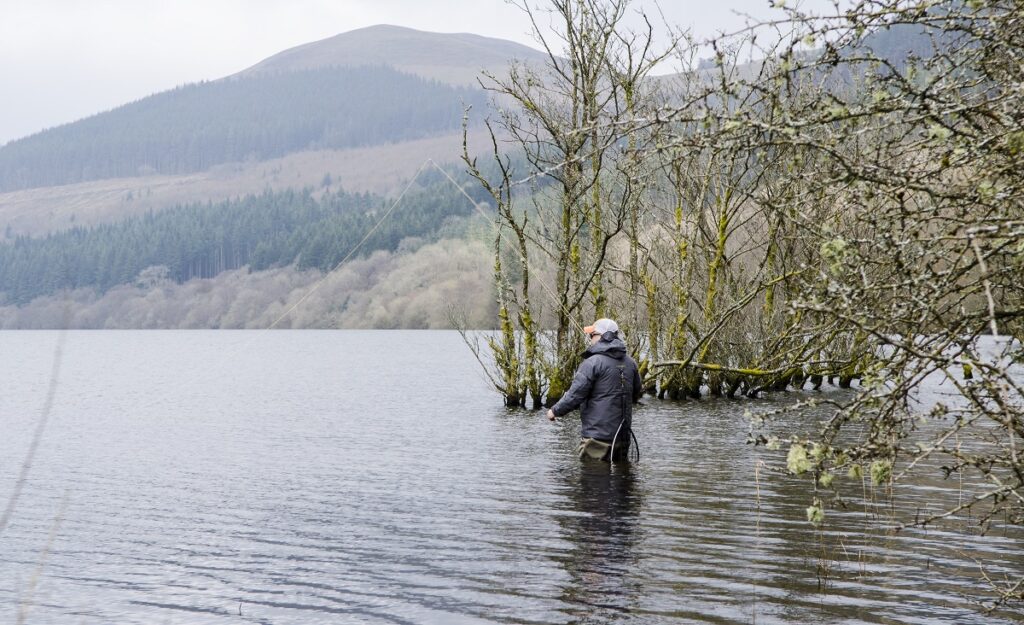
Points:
[(429, 161), (554, 298), (549, 291), (355, 249)]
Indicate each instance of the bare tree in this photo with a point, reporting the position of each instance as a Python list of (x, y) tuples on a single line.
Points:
[(910, 225)]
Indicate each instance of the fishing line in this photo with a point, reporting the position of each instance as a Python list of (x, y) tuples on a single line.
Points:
[(551, 294), (548, 289), (44, 417), (355, 249)]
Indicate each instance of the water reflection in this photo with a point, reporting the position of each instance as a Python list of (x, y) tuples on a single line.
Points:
[(603, 531)]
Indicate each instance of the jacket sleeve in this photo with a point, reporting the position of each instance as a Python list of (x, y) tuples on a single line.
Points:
[(638, 384), (582, 382)]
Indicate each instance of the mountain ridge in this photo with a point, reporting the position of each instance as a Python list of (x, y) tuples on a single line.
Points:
[(370, 86), (454, 58), (262, 116)]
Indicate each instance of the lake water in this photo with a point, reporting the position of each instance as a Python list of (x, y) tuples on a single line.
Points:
[(372, 477)]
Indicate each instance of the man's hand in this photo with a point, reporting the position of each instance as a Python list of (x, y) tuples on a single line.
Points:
[(551, 415)]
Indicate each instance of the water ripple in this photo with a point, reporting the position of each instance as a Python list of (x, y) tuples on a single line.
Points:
[(318, 477)]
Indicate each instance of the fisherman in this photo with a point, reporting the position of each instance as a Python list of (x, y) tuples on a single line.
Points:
[(604, 388)]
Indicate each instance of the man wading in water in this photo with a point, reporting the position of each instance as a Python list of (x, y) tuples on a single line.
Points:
[(605, 387)]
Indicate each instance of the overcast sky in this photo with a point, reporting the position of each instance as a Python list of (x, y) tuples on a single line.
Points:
[(61, 60)]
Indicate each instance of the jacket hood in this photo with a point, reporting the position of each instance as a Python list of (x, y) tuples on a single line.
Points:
[(614, 348)]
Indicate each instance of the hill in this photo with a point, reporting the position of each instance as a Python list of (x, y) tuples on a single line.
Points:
[(272, 229), (372, 86), (245, 174), (273, 171), (250, 118), (455, 58), (378, 169)]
